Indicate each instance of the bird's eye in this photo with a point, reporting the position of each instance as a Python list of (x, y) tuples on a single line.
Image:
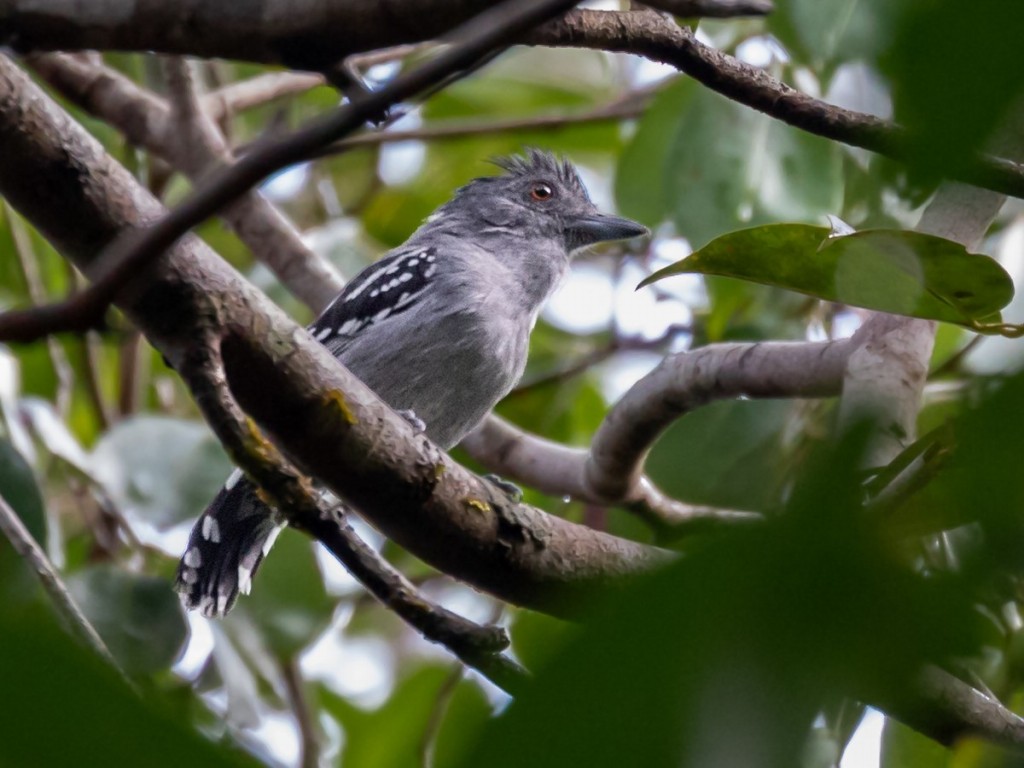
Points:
[(541, 192)]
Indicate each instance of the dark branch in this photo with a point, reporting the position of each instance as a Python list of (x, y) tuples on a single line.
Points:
[(292, 493)]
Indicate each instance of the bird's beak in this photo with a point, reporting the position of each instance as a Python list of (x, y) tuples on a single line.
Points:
[(600, 228)]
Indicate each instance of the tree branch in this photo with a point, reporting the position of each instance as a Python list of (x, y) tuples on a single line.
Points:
[(79, 198), (37, 561), (301, 34)]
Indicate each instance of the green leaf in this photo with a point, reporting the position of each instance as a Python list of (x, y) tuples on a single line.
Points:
[(718, 165), (289, 600), (726, 454), (952, 110), (392, 736), (822, 34), (903, 747), (640, 188), (138, 617), (65, 706), (164, 469), (906, 273), (19, 489)]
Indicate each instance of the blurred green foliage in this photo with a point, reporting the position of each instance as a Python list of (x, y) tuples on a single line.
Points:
[(753, 648)]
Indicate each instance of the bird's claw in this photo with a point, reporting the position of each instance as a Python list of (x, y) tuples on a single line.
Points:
[(419, 426), (511, 490)]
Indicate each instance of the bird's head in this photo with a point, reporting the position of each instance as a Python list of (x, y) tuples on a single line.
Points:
[(537, 196)]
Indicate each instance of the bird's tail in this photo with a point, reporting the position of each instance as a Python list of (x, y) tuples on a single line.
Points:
[(226, 546)]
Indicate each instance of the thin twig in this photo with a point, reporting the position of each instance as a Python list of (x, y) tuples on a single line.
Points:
[(442, 700), (309, 731), (457, 129), (28, 261), (90, 350), (131, 374), (14, 529)]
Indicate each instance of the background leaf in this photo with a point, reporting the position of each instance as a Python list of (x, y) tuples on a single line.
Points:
[(906, 273)]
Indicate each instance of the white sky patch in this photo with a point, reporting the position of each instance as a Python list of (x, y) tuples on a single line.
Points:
[(865, 748), (689, 289), (378, 73), (599, 185), (755, 51), (846, 323), (401, 162), (642, 313), (362, 669), (286, 184), (197, 649), (623, 371), (279, 736), (646, 72), (995, 354), (857, 86), (583, 304)]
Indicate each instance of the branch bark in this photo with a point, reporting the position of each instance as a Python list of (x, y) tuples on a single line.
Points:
[(301, 34), (80, 199)]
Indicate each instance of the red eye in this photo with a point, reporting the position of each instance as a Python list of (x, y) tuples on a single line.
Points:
[(541, 192)]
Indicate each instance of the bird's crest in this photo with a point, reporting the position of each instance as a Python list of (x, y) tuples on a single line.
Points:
[(537, 162)]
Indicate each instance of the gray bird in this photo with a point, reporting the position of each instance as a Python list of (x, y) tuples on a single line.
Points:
[(439, 328)]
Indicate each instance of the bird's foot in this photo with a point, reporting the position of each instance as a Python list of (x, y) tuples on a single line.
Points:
[(511, 490), (418, 425)]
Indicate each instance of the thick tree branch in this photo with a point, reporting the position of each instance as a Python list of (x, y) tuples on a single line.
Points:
[(59, 177), (692, 379), (561, 471), (302, 34), (287, 490)]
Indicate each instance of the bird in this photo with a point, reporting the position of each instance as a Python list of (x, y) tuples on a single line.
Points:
[(438, 328)]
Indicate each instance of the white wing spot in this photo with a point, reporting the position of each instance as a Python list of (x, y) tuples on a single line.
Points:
[(382, 314), (349, 326), (323, 334), (189, 576), (233, 479), (211, 529), (430, 270), (244, 580), (193, 558), (271, 538)]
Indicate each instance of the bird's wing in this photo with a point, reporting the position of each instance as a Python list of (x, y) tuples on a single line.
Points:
[(381, 291)]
